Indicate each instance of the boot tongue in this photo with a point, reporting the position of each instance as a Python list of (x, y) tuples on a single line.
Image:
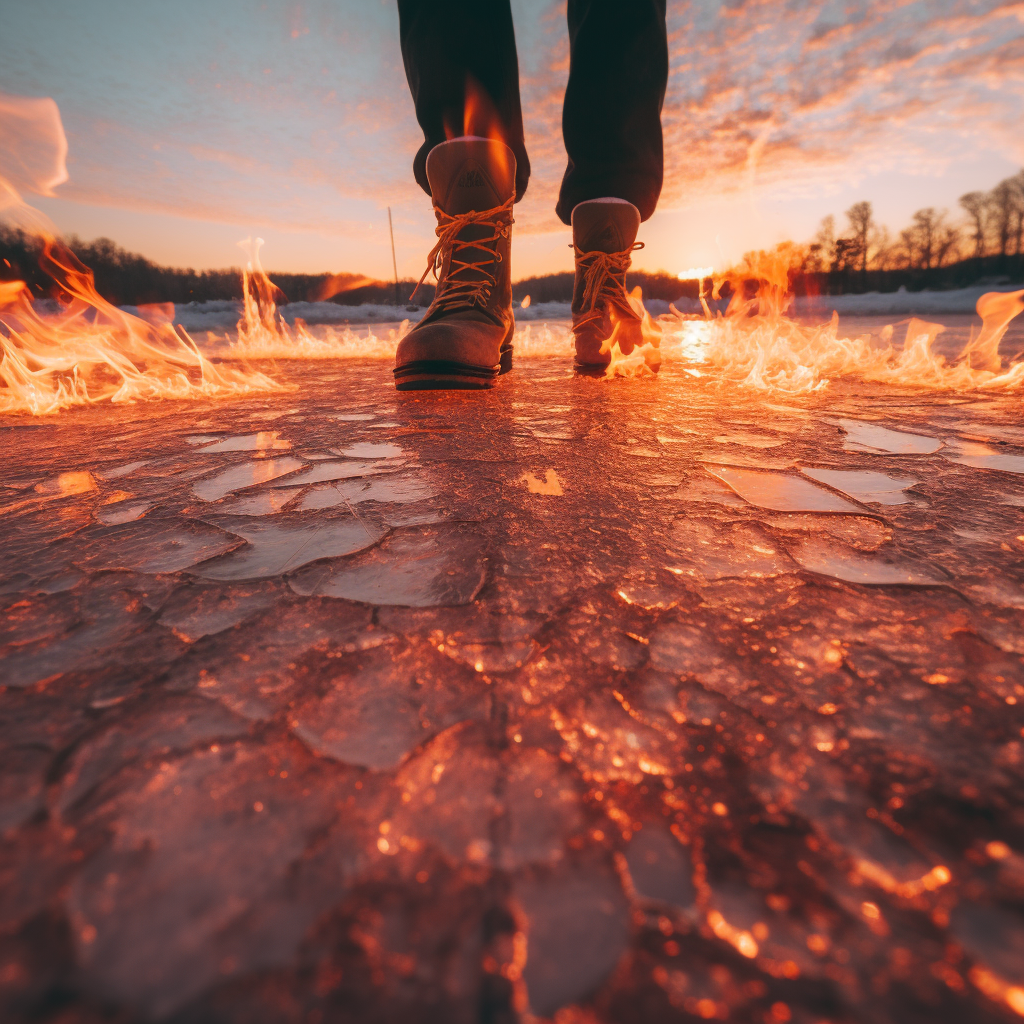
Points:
[(605, 227), (471, 174)]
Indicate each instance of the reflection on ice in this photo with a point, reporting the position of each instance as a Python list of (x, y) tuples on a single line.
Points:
[(382, 705), (864, 485), (398, 489), (710, 550), (158, 546), (67, 484), (416, 568), (859, 532), (369, 450), (197, 611), (550, 484), (701, 488), (123, 512), (779, 491), (748, 439), (823, 555), (279, 547), (983, 456), (870, 437), (327, 471), (262, 503), (116, 472), (247, 474), (258, 442)]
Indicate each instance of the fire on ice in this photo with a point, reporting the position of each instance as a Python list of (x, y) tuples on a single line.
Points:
[(91, 351)]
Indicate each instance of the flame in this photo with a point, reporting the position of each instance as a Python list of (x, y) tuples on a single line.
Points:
[(696, 273), (479, 116), (260, 318), (263, 333), (641, 360), (996, 310), (33, 158), (90, 351), (755, 344), (337, 284), (480, 120)]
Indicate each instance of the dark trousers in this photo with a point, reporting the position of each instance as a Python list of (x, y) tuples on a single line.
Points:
[(611, 120)]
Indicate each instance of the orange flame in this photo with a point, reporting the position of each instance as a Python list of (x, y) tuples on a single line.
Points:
[(480, 120), (996, 310), (480, 117), (642, 360), (90, 351), (755, 344), (262, 332), (338, 284)]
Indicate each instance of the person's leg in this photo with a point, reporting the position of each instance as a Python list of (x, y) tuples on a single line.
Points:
[(460, 59), (443, 42), (611, 119), (611, 122)]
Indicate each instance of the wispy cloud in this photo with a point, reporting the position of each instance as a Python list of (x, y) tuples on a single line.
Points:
[(793, 96), (299, 117)]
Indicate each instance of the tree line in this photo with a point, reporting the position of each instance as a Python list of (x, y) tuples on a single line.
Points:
[(988, 235), (127, 279), (936, 250)]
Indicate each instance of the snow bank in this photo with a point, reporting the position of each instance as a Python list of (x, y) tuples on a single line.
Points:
[(899, 303), (223, 315)]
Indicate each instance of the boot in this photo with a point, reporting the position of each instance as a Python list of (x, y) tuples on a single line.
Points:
[(603, 237), (465, 338)]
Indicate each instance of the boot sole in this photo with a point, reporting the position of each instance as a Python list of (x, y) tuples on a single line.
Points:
[(442, 375)]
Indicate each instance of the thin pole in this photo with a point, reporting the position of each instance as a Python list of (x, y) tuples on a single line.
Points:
[(394, 260)]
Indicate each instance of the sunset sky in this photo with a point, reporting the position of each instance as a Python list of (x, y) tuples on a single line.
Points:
[(193, 124)]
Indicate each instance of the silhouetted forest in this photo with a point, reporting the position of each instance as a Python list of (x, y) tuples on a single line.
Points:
[(128, 279), (936, 251)]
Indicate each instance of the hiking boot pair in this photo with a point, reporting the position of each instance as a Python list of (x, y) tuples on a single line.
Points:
[(465, 338)]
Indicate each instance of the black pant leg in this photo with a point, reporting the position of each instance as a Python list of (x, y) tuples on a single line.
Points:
[(611, 119), (443, 41)]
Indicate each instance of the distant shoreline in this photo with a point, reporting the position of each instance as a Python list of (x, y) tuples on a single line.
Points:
[(223, 314)]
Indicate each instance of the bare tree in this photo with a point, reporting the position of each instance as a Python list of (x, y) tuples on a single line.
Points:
[(1016, 184), (822, 251), (1003, 206), (977, 206), (929, 241), (880, 249), (947, 244), (861, 222)]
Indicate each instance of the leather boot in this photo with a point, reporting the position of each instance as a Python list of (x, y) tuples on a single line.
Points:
[(603, 238), (465, 338)]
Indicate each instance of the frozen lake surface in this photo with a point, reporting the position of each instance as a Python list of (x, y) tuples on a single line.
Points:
[(645, 700)]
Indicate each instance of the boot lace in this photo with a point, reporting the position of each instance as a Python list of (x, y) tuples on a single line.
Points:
[(604, 277), (456, 290)]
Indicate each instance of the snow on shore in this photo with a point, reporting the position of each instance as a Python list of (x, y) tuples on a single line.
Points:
[(899, 304), (223, 315)]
